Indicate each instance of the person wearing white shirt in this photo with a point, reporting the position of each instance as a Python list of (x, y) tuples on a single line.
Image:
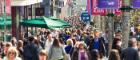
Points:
[(49, 42)]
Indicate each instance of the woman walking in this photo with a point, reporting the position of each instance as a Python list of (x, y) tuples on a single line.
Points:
[(81, 52), (56, 51)]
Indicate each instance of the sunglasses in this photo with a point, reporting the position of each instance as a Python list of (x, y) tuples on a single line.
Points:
[(12, 53)]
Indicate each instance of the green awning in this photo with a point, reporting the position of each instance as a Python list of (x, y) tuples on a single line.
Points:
[(6, 22), (44, 22), (36, 22), (59, 22)]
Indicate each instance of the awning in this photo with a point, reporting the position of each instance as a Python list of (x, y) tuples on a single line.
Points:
[(44, 22), (6, 23), (25, 2)]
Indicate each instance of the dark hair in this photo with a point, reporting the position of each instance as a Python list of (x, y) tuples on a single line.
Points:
[(74, 41), (114, 55), (95, 55), (48, 33), (8, 44), (56, 43), (31, 38), (115, 41)]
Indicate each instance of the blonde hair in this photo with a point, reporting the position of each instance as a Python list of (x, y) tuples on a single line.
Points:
[(43, 52), (12, 49), (69, 42)]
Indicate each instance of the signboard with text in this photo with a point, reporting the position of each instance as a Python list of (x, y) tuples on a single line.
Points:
[(85, 16), (136, 3), (8, 7), (93, 9), (108, 4), (7, 3)]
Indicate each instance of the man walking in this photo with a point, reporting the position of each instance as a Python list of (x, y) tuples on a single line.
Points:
[(130, 53), (97, 45)]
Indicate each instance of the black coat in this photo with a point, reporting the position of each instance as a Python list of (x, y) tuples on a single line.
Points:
[(30, 52), (129, 54)]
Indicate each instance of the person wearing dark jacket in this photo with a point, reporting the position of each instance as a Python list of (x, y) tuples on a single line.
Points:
[(97, 43), (130, 53), (30, 51), (69, 48)]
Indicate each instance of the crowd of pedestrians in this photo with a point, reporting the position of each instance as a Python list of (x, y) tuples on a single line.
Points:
[(68, 44), (75, 21)]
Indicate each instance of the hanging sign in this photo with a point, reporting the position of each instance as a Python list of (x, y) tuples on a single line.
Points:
[(108, 4)]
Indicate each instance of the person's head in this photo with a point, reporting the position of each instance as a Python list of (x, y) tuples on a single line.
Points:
[(132, 42), (114, 55), (49, 36), (20, 43), (69, 42), (82, 45), (36, 41), (97, 34), (56, 43), (31, 39), (38, 37), (7, 46), (12, 53), (42, 55), (13, 40)]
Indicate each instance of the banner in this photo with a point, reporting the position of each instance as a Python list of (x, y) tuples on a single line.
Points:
[(8, 7), (108, 4), (136, 3), (93, 9)]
